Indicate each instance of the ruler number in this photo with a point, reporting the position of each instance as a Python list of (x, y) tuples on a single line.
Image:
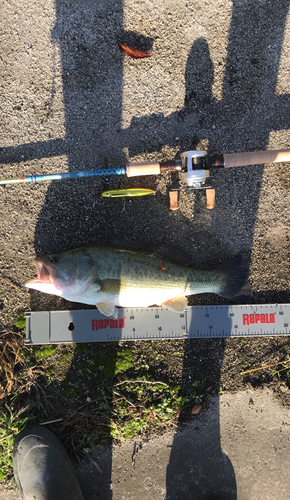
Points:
[(156, 316), (232, 314), (286, 325), (281, 313), (159, 328), (207, 315), (132, 317)]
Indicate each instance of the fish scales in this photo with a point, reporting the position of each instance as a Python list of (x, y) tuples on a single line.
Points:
[(144, 269)]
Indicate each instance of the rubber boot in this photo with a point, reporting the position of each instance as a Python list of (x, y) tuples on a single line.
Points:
[(42, 467)]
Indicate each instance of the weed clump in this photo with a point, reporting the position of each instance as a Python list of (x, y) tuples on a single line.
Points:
[(44, 351), (142, 405), (20, 321), (18, 376), (17, 373), (124, 360), (92, 392), (10, 425)]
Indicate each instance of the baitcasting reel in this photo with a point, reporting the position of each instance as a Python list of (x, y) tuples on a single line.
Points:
[(194, 169), (195, 174)]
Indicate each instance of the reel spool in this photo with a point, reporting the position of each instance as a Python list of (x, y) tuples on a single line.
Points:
[(195, 174), (193, 170)]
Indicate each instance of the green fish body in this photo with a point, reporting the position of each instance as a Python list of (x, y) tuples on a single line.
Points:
[(108, 277)]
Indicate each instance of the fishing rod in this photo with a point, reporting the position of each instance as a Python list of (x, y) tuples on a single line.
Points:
[(193, 168), (64, 175)]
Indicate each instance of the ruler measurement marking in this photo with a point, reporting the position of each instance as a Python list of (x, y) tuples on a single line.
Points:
[(159, 323)]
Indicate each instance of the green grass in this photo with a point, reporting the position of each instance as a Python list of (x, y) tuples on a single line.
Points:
[(44, 351), (20, 321), (10, 425), (139, 406), (124, 360)]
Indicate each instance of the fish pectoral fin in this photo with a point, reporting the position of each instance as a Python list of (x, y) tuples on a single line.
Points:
[(108, 309), (177, 304)]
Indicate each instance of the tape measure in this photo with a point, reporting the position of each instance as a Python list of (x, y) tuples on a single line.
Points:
[(51, 327)]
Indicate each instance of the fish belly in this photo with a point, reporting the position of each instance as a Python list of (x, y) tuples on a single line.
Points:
[(145, 297)]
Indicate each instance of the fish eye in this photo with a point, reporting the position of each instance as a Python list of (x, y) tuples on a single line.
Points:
[(53, 259)]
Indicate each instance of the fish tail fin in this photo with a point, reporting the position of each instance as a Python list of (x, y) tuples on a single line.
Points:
[(236, 276)]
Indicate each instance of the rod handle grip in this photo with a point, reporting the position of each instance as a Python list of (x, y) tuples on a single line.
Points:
[(144, 168), (256, 158)]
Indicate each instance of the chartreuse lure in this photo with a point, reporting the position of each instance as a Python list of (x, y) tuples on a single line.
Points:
[(127, 193)]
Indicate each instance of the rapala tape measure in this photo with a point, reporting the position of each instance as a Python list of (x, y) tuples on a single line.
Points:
[(52, 327)]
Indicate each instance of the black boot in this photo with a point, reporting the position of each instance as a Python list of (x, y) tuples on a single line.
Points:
[(42, 467)]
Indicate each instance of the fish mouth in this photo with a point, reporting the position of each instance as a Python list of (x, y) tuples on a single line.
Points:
[(46, 272), (45, 281)]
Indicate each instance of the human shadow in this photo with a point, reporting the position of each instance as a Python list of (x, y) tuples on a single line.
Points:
[(248, 112), (198, 468)]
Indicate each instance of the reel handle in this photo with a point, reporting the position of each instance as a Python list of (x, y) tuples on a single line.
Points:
[(210, 198)]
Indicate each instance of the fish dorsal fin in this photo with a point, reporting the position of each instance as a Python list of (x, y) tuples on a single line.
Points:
[(126, 244), (108, 309), (173, 253), (177, 304)]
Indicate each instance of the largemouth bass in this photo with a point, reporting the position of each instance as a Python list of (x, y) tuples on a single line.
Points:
[(108, 277)]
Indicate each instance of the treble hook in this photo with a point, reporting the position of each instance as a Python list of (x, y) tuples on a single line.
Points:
[(124, 209)]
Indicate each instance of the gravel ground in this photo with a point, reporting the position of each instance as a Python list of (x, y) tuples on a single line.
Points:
[(217, 79)]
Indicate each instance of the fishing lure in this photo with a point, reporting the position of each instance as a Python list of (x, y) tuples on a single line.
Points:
[(127, 193)]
